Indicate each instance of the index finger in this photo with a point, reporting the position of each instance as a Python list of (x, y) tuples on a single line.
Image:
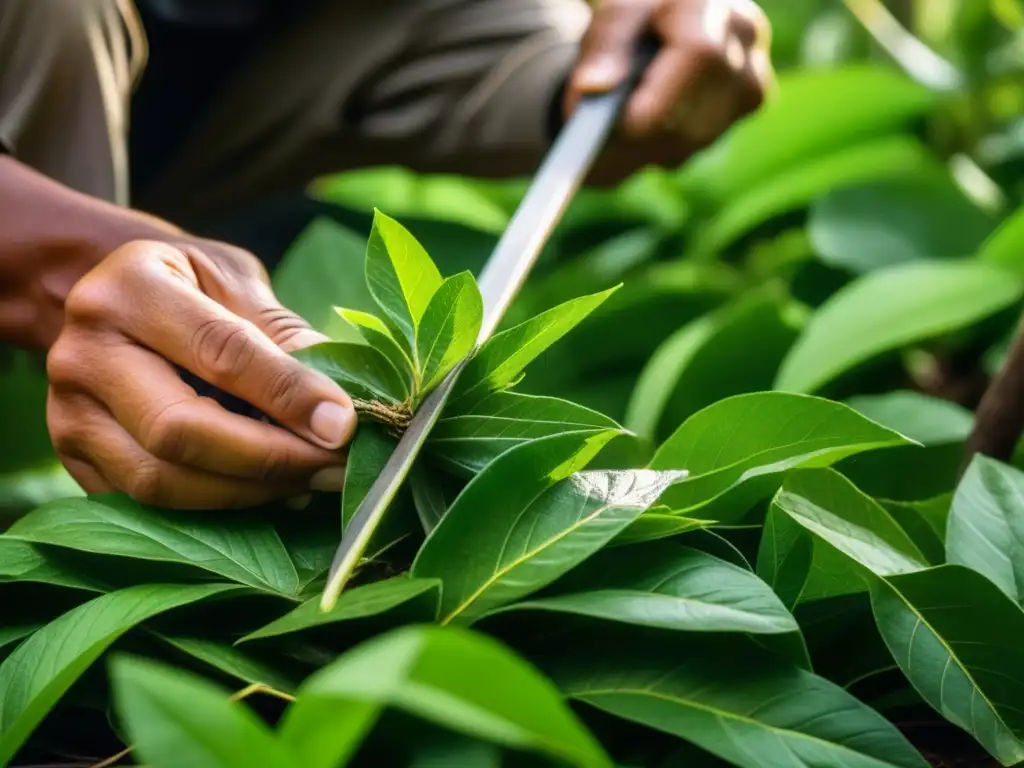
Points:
[(180, 323)]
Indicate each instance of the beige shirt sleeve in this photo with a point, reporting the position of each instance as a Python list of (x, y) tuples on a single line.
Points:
[(462, 86)]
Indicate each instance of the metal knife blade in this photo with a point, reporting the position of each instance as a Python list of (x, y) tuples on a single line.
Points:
[(560, 175)]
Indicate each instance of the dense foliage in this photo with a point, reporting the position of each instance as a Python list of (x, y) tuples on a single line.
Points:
[(701, 501)]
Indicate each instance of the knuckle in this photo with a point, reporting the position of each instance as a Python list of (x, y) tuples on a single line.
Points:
[(89, 301), (165, 432), (146, 483), (283, 388), (273, 466), (223, 350), (282, 325), (63, 362)]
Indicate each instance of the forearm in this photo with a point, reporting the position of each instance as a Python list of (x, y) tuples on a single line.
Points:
[(50, 235)]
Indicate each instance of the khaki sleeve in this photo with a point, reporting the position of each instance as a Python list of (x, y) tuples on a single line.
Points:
[(472, 89)]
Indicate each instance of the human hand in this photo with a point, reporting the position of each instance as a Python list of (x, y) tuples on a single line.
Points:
[(713, 67), (121, 418)]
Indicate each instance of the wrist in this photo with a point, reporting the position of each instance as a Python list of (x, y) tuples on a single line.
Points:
[(50, 236)]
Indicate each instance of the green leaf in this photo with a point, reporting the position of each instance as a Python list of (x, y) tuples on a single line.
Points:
[(955, 636), (797, 187), (709, 359), (814, 112), (358, 603), (317, 272), (428, 496), (231, 661), (20, 561), (986, 524), (400, 275), (500, 361), (446, 750), (241, 549), (732, 699), (928, 420), (449, 329), (362, 371), (468, 439), (738, 449), (653, 525), (894, 221), (12, 633), (925, 523), (536, 527), (890, 309), (855, 536), (41, 669), (1003, 247), (367, 455), (668, 586), (435, 673), (372, 330), (175, 719)]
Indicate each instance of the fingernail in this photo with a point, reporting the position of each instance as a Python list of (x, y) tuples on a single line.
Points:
[(299, 502), (330, 479), (600, 75), (331, 423)]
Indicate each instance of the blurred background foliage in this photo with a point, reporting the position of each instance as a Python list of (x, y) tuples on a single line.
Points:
[(857, 237)]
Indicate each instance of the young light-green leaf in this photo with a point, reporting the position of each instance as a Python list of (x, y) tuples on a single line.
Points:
[(375, 333), (669, 586), (955, 636), (889, 309), (449, 329), (359, 603), (361, 370), (435, 673), (467, 439), (738, 450), (985, 530), (41, 669), (401, 276), (176, 719), (489, 561), (504, 356), (247, 551), (729, 697)]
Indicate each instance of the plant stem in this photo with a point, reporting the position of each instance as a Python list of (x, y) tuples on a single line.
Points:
[(999, 420)]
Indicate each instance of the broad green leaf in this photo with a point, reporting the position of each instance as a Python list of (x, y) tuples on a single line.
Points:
[(732, 699), (896, 220), (738, 449), (358, 603), (986, 524), (955, 636), (446, 750), (449, 328), (367, 455), (428, 496), (400, 275), (524, 544), (21, 561), (854, 536), (815, 112), (247, 551), (231, 661), (925, 523), (928, 420), (372, 330), (668, 586), (435, 673), (500, 361), (784, 556), (889, 309), (1003, 247), (41, 669), (12, 633), (319, 270), (176, 719), (654, 524), (468, 438), (541, 521), (797, 187), (362, 371), (709, 359)]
